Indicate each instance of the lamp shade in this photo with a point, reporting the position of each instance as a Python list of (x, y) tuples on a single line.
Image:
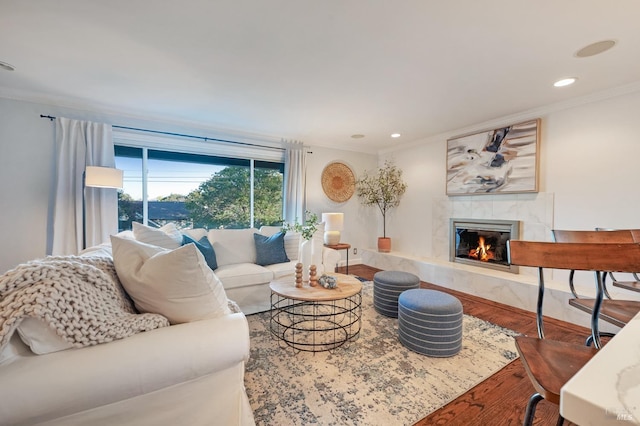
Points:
[(102, 177), (333, 221), (333, 224)]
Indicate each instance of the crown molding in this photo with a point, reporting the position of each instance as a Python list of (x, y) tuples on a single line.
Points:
[(276, 141), (165, 122), (521, 116)]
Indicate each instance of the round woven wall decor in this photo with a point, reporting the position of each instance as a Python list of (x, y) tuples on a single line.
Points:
[(338, 182)]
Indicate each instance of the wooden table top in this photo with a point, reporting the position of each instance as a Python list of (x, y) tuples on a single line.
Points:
[(339, 246), (286, 287)]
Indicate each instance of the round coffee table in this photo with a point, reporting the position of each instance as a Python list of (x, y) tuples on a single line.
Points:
[(315, 319)]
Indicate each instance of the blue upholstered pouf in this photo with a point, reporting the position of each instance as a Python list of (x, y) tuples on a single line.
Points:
[(430, 322), (387, 286)]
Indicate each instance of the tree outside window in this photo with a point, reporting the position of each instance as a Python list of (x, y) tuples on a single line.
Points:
[(220, 199)]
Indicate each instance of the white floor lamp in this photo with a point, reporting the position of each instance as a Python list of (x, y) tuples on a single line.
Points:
[(98, 177), (103, 177)]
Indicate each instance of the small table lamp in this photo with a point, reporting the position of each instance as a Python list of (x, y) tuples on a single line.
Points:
[(333, 224)]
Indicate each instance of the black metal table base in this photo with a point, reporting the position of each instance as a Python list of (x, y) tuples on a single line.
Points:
[(315, 326)]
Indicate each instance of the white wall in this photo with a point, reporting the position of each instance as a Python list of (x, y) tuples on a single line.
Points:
[(27, 173), (357, 219), (589, 161), (26, 170), (589, 169)]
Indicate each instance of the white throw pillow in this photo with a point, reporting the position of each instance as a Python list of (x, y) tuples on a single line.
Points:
[(167, 236), (175, 283), (15, 348), (41, 338)]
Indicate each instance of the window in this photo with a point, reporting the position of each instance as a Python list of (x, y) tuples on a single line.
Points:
[(198, 190)]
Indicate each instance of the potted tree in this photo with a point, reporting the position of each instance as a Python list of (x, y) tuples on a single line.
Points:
[(382, 188)]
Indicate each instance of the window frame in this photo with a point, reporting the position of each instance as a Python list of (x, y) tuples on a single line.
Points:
[(174, 148)]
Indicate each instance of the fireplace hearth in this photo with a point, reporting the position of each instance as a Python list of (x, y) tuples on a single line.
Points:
[(482, 242)]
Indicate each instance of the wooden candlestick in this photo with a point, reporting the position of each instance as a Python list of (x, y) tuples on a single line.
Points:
[(299, 275), (313, 279)]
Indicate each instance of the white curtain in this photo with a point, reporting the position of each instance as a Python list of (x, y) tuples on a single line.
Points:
[(295, 175), (80, 144)]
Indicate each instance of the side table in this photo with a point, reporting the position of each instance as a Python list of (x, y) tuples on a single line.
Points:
[(341, 246)]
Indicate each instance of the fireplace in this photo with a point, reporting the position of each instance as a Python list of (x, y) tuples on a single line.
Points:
[(481, 242)]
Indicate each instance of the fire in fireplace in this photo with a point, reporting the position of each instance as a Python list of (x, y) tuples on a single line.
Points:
[(481, 242)]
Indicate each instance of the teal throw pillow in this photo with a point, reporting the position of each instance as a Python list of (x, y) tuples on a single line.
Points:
[(270, 250), (205, 248)]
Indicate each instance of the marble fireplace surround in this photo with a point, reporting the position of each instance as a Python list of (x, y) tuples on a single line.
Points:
[(535, 211)]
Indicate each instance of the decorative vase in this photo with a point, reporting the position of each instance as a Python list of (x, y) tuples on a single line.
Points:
[(384, 244), (306, 258)]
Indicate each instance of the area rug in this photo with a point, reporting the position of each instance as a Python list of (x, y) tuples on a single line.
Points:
[(373, 380)]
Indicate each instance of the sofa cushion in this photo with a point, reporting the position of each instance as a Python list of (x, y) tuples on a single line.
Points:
[(168, 236), (195, 233), (270, 230), (205, 248), (233, 245), (291, 240), (175, 283), (243, 274), (279, 270), (270, 250)]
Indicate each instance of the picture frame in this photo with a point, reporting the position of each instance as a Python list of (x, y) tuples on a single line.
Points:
[(497, 161)]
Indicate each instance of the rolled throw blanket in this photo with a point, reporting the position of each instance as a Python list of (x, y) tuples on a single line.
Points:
[(79, 297)]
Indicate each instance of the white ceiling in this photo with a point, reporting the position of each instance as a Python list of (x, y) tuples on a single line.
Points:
[(315, 71)]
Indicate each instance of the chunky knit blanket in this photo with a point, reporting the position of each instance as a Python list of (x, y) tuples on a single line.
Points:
[(79, 297)]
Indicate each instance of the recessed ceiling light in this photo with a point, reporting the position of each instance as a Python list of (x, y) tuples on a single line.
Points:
[(565, 82), (595, 48), (6, 66), (357, 136), (395, 135)]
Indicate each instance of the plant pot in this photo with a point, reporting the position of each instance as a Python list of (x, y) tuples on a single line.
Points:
[(384, 244)]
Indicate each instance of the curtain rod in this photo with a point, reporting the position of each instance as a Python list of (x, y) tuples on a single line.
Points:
[(204, 138)]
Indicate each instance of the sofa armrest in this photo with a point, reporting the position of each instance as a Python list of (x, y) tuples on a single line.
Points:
[(110, 372), (330, 259)]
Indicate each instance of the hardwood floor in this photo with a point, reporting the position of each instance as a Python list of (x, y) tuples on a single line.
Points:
[(501, 399)]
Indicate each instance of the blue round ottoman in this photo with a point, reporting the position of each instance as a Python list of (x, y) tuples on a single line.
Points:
[(387, 286), (430, 322)]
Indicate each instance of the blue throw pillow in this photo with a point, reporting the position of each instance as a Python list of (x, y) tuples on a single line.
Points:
[(205, 248), (270, 250)]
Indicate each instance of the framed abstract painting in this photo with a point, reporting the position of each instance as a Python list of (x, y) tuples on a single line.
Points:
[(498, 161)]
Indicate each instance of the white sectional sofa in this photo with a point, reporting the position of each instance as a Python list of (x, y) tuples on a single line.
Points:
[(187, 371)]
